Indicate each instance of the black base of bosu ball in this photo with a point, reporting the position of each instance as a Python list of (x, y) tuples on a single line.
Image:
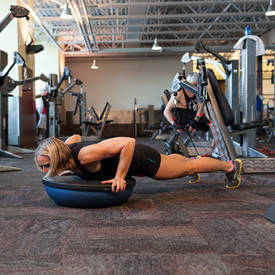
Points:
[(73, 191)]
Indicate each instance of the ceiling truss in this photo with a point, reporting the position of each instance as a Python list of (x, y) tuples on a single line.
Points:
[(102, 27)]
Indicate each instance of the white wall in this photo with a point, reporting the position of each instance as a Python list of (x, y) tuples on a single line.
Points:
[(46, 62), (119, 81)]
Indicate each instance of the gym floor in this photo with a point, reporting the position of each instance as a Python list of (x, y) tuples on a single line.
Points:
[(166, 227)]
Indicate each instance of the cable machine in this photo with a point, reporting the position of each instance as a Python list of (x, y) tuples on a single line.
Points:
[(7, 85), (52, 98)]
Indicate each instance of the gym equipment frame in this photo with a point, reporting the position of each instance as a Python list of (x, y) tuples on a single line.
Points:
[(219, 112), (231, 76), (254, 162), (15, 12), (7, 85), (97, 124), (53, 114), (80, 102)]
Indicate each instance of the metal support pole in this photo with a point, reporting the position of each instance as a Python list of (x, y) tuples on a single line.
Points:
[(52, 109), (270, 135), (232, 89), (260, 72), (218, 128), (82, 109), (248, 91), (4, 23), (3, 102), (273, 89)]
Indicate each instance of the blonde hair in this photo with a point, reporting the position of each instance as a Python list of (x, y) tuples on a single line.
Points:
[(57, 151)]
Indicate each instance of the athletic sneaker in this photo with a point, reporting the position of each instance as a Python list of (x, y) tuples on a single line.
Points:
[(196, 177), (233, 179)]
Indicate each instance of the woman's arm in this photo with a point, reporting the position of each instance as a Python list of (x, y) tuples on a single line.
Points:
[(168, 111), (200, 110), (122, 146), (70, 140), (73, 139)]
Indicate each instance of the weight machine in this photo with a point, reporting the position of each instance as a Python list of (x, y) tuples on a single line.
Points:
[(15, 12), (7, 85), (157, 131), (80, 102), (88, 119), (243, 103), (52, 100), (96, 122), (231, 75), (223, 126)]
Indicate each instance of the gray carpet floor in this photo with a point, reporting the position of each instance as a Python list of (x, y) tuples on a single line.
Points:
[(166, 227)]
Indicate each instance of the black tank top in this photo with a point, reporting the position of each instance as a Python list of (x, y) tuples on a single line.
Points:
[(108, 166), (184, 115), (146, 161), (190, 102)]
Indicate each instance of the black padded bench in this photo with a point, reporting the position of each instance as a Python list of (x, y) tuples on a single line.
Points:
[(226, 111)]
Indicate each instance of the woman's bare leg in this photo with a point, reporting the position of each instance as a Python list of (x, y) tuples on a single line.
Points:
[(176, 166)]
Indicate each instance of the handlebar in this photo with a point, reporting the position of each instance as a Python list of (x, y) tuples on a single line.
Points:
[(32, 79), (199, 47), (66, 75), (15, 11), (14, 83), (75, 82), (77, 101)]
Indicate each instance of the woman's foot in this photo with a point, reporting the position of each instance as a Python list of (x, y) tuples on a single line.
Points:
[(196, 177), (233, 177)]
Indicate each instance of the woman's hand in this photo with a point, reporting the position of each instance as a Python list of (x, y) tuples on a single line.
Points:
[(192, 130), (118, 184)]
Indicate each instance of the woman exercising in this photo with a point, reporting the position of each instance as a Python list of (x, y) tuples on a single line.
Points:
[(112, 160)]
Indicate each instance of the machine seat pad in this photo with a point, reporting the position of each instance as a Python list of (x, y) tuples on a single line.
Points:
[(96, 123), (247, 125), (223, 104)]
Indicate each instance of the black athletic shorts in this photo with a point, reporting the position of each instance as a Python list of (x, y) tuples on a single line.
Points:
[(146, 161)]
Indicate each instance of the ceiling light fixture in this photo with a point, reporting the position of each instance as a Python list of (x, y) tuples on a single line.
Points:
[(94, 66), (156, 46), (66, 13), (271, 9)]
